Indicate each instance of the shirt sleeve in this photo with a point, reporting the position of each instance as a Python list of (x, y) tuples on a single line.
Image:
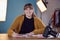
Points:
[(40, 26), (13, 26)]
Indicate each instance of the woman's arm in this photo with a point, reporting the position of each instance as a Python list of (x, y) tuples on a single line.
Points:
[(13, 27), (40, 26)]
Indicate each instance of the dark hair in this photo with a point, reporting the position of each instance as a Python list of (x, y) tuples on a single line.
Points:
[(29, 5)]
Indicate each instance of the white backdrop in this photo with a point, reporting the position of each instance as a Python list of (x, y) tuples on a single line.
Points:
[(3, 7)]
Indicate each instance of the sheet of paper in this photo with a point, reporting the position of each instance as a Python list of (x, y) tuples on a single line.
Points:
[(32, 36)]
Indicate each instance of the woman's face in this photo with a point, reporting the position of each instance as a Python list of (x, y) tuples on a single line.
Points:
[(29, 11)]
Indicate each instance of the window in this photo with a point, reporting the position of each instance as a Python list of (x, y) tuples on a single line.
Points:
[(3, 7)]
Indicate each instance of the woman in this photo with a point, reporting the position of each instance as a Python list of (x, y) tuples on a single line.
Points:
[(27, 23)]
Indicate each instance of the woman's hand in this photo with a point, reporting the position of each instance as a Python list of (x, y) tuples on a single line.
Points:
[(30, 34), (14, 34), (18, 35)]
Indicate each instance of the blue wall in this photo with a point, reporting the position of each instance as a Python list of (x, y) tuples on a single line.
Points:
[(14, 8)]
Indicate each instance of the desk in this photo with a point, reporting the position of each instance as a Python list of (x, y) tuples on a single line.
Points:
[(5, 37)]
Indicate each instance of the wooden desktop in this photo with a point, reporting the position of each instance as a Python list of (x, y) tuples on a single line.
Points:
[(5, 37)]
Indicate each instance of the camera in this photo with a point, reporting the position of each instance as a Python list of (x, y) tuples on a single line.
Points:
[(48, 31)]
